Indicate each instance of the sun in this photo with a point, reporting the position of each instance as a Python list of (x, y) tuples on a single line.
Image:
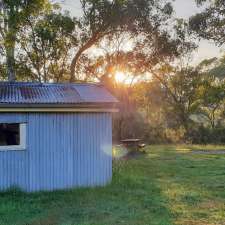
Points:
[(120, 77)]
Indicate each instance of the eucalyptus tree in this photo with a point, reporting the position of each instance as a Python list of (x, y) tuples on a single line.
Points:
[(210, 23), (213, 101), (147, 19), (45, 44), (139, 55), (214, 67), (212, 92), (13, 16)]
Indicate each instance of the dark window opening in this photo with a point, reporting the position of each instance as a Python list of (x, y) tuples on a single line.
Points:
[(9, 134)]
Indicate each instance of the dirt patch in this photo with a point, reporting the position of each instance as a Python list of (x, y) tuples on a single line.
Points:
[(195, 222), (209, 152)]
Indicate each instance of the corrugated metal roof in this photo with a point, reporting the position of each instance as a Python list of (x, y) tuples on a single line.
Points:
[(38, 93)]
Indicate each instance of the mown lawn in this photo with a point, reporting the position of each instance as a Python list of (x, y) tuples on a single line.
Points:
[(169, 185)]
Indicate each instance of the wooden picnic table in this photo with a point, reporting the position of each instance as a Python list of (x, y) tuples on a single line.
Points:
[(134, 146), (131, 144), (131, 141)]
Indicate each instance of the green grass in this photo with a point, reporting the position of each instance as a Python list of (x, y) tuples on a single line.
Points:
[(169, 185)]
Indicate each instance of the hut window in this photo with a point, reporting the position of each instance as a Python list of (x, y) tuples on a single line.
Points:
[(12, 136)]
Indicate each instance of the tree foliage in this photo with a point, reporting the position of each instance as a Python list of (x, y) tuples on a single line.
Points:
[(46, 43), (13, 16), (180, 104), (105, 18), (210, 23)]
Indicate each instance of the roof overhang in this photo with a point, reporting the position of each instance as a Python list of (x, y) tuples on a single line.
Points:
[(93, 110), (111, 108)]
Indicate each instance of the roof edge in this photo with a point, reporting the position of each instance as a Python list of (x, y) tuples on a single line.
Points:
[(54, 110), (60, 105)]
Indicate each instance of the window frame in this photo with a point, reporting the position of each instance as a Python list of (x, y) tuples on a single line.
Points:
[(22, 145)]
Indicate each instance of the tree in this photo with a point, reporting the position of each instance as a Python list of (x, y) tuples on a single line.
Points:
[(214, 67), (181, 88), (140, 59), (212, 90), (109, 64), (210, 23), (13, 16), (105, 18), (46, 44), (213, 99), (147, 55)]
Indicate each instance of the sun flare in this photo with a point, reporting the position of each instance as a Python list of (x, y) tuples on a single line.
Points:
[(120, 77)]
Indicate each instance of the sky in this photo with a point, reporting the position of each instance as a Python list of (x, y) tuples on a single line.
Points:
[(183, 9)]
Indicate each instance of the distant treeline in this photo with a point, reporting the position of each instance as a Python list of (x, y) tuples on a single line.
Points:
[(181, 105)]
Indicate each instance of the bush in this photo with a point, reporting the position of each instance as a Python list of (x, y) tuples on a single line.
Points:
[(134, 125), (205, 135), (175, 135)]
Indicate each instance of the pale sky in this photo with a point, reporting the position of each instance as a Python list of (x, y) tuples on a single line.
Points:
[(184, 9)]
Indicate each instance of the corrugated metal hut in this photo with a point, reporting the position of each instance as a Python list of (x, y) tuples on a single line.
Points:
[(55, 136)]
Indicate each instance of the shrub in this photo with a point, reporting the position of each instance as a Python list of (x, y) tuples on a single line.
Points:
[(205, 135), (175, 135)]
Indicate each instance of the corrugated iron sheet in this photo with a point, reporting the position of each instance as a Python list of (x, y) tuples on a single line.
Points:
[(64, 150), (36, 93)]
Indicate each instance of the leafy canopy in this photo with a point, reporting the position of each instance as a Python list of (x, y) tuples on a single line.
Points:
[(46, 43), (104, 19), (13, 16), (210, 23)]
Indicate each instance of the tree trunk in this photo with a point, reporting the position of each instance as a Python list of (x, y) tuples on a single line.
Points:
[(93, 40), (10, 43), (10, 62), (213, 119), (74, 64)]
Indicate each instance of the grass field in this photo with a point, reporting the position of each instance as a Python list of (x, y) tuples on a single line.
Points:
[(182, 185)]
